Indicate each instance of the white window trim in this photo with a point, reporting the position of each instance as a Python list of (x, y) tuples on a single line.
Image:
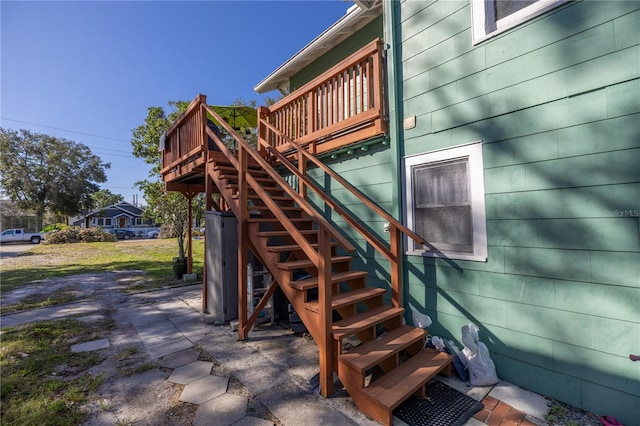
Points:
[(485, 26), (473, 152)]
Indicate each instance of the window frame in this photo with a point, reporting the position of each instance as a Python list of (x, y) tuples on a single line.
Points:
[(472, 152), (484, 24)]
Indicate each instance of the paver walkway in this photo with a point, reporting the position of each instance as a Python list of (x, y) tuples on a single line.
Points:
[(274, 365)]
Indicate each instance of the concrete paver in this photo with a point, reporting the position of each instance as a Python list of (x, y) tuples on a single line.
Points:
[(204, 389), (274, 365), (180, 358), (190, 372), (222, 411), (168, 347), (252, 421), (93, 345)]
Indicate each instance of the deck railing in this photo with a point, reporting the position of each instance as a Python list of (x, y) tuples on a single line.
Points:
[(183, 143), (342, 106)]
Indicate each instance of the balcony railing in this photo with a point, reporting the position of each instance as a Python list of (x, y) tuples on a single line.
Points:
[(183, 147), (342, 106)]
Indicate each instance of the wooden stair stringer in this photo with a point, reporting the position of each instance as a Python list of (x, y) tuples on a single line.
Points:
[(400, 379)]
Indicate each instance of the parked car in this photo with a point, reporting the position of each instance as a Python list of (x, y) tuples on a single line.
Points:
[(153, 234), (122, 234), (19, 236)]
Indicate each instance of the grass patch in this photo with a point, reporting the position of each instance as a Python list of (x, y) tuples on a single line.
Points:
[(154, 257), (42, 381), (40, 300)]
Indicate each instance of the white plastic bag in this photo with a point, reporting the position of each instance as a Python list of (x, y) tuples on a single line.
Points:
[(475, 357)]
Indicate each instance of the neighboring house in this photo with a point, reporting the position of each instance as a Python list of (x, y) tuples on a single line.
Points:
[(11, 216), (506, 135), (119, 215)]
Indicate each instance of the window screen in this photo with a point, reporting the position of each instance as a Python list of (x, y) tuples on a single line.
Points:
[(443, 205)]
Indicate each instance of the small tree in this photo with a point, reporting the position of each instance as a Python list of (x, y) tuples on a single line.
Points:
[(43, 173), (105, 198), (169, 208)]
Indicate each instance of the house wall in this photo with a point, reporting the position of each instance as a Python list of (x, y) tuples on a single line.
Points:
[(556, 103), (366, 34)]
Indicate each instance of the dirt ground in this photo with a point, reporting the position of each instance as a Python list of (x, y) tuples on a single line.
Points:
[(134, 388)]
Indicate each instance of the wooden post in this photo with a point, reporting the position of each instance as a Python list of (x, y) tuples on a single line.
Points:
[(302, 166), (243, 236), (396, 266), (325, 313), (189, 232)]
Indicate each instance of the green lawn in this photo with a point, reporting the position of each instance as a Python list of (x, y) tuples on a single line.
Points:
[(154, 257)]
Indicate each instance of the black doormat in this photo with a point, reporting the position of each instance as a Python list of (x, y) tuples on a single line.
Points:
[(444, 406)]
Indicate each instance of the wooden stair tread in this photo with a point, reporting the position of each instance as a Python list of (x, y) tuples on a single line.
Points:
[(335, 278), (277, 220), (306, 263), (403, 381), (364, 320), (375, 351), (293, 247), (284, 208), (285, 233), (347, 298)]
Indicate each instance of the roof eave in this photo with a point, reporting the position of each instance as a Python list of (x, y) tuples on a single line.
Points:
[(355, 18)]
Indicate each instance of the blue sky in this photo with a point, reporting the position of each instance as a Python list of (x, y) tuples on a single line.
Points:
[(88, 71)]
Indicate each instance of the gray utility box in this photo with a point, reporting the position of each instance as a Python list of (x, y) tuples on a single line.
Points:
[(221, 233)]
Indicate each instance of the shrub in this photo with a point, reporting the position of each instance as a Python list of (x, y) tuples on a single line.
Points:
[(76, 235), (55, 227)]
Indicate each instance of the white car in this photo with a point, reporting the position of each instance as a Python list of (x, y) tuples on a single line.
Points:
[(153, 234)]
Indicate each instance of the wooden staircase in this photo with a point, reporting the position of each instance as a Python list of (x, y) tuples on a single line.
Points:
[(393, 351)]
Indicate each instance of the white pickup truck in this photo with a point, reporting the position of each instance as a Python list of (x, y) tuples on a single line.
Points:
[(19, 236)]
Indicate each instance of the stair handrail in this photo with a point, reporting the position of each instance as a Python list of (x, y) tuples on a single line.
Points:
[(304, 204), (352, 189), (393, 254)]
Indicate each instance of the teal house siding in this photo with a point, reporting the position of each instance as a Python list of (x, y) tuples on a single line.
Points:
[(556, 104)]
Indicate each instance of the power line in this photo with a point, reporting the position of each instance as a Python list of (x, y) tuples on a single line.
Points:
[(72, 131)]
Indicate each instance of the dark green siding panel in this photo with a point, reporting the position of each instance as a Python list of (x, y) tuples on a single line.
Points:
[(365, 35), (626, 30), (616, 268), (602, 136), (468, 63), (522, 289), (626, 335), (624, 98), (610, 69), (530, 349), (562, 326), (527, 149), (619, 302), (482, 310), (425, 15), (546, 382), (570, 51), (607, 234), (454, 14), (505, 179), (522, 233), (450, 279), (587, 170), (494, 263), (549, 263), (589, 365), (595, 201), (601, 399), (564, 22)]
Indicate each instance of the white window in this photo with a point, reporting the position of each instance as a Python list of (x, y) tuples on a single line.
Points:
[(491, 17), (445, 203), (99, 221)]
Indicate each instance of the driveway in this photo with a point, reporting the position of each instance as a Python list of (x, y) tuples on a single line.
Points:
[(12, 250)]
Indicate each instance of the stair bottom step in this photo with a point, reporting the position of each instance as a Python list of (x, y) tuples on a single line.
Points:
[(396, 386)]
